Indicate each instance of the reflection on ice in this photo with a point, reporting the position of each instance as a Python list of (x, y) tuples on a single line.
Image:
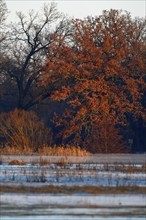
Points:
[(74, 207), (115, 200), (41, 213), (56, 217)]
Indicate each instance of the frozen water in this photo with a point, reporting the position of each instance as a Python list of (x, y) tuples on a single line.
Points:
[(81, 171), (73, 207), (70, 175)]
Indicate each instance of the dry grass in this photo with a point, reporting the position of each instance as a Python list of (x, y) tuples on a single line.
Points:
[(9, 150), (46, 151), (1, 159), (75, 189), (63, 151), (62, 162), (131, 168), (17, 162)]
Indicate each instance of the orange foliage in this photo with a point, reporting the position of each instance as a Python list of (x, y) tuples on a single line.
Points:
[(100, 72)]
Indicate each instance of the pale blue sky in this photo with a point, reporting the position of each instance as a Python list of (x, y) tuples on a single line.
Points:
[(80, 8)]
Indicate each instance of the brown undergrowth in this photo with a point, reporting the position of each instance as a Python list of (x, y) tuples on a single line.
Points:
[(74, 189)]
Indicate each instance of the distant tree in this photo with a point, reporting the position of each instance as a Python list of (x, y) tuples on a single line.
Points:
[(99, 73)]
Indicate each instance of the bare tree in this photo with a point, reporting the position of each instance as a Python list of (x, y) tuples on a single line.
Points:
[(29, 41), (3, 16), (3, 37)]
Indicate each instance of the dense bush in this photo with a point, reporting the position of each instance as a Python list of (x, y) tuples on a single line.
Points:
[(24, 130)]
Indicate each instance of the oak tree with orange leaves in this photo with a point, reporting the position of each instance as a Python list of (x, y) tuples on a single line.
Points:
[(99, 72)]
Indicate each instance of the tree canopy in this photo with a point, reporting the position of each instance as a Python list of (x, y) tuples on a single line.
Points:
[(99, 72)]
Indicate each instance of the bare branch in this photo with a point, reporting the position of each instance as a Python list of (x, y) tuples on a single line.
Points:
[(30, 38)]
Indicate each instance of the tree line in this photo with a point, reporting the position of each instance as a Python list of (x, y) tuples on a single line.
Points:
[(85, 77)]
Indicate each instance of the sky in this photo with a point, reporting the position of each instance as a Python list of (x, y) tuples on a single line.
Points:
[(79, 8)]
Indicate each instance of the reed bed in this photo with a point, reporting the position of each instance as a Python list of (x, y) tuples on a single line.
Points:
[(61, 150)]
